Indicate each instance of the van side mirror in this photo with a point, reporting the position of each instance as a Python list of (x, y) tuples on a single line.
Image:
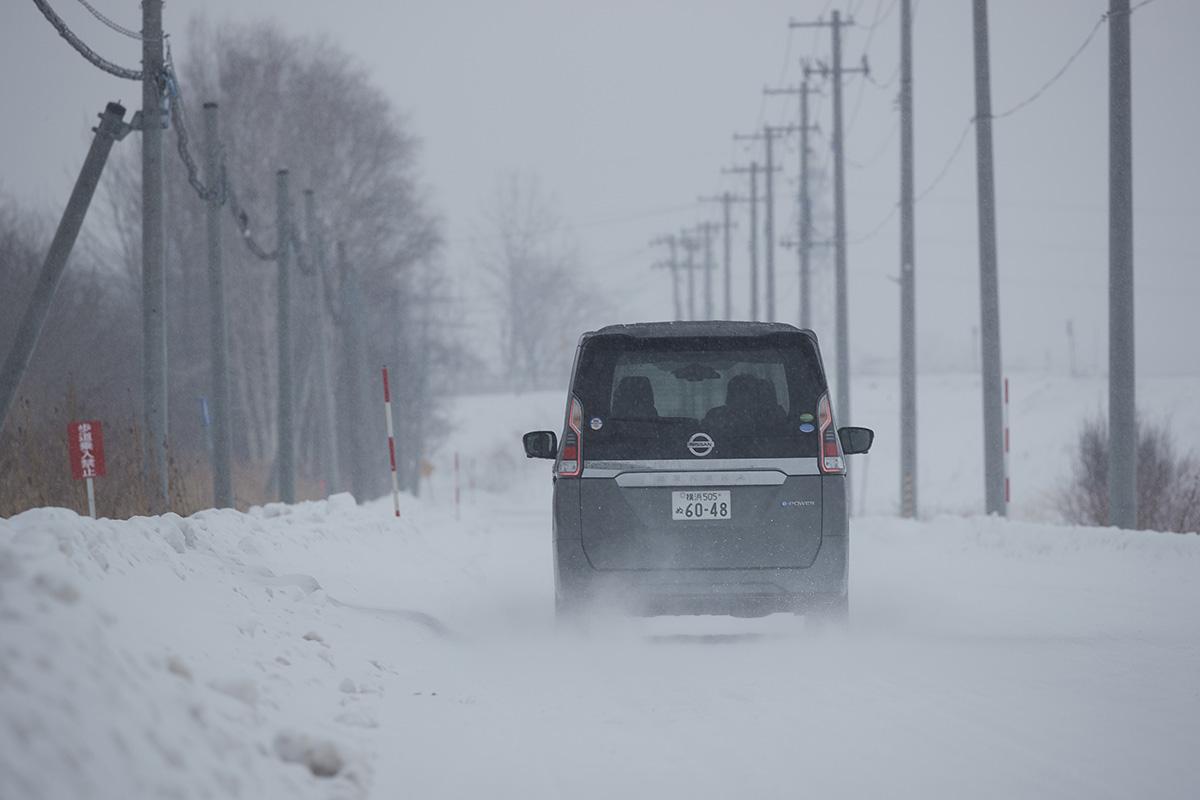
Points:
[(856, 440), (540, 444)]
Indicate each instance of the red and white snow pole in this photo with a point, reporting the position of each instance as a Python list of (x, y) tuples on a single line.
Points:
[(391, 439), (1007, 489)]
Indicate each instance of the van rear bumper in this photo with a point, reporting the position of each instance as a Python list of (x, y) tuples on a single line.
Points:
[(739, 592)]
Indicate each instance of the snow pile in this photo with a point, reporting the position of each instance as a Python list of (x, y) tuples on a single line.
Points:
[(329, 650), (164, 657)]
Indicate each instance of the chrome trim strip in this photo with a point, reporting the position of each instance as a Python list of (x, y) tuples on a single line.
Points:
[(787, 466), (759, 477)]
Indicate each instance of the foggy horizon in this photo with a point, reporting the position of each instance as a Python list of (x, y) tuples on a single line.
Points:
[(625, 114)]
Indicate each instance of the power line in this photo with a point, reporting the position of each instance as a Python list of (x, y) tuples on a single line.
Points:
[(1057, 75), (1066, 65), (80, 47), (895, 207), (596, 223), (121, 29), (878, 152), (878, 229), (223, 190), (895, 72), (787, 59), (179, 116), (962, 138), (866, 73), (879, 18)]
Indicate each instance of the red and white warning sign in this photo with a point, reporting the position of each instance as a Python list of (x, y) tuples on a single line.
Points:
[(86, 443)]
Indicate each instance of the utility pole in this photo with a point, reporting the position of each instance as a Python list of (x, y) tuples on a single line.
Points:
[(804, 232), (1071, 349), (835, 24), (707, 229), (316, 250), (805, 242), (285, 442), (726, 199), (1122, 406), (672, 264), (354, 361), (690, 245), (989, 291), (726, 223), (768, 134), (908, 336), (752, 171), (754, 240), (426, 369), (219, 341), (112, 128), (154, 275)]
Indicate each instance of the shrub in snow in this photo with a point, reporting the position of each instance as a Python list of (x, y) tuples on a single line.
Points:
[(1168, 490)]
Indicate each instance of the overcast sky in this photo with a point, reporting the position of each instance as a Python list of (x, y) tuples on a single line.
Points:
[(625, 111)]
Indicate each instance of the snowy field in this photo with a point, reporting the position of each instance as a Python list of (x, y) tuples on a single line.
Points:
[(328, 650)]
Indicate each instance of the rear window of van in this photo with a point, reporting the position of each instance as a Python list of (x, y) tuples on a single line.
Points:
[(643, 398)]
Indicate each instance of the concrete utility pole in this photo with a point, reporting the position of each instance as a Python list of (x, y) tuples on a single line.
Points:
[(690, 245), (769, 231), (112, 128), (836, 23), (354, 339), (285, 441), (222, 436), (154, 275), (672, 264), (1071, 349), (806, 236), (1122, 405), (989, 291), (328, 438), (753, 200), (707, 229), (726, 252), (803, 198), (726, 199), (908, 336), (767, 136)]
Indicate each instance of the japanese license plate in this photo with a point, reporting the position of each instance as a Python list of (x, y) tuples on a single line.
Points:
[(700, 505)]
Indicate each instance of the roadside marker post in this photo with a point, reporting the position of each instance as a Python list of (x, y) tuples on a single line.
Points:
[(85, 440), (391, 440)]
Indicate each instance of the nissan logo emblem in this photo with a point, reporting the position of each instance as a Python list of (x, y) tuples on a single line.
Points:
[(701, 444)]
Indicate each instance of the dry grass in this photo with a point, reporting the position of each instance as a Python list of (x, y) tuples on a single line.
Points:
[(1168, 492), (35, 470)]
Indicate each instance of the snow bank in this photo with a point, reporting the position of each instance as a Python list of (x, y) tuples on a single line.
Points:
[(329, 650), (164, 657)]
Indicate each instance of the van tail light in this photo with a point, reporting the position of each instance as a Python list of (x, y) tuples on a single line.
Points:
[(832, 461), (570, 456)]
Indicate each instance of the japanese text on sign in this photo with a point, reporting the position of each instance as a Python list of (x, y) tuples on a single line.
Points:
[(86, 443)]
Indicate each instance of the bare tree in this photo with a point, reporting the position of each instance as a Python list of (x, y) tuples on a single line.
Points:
[(305, 105), (536, 282)]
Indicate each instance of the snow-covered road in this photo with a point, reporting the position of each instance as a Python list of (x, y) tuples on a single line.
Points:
[(236, 655)]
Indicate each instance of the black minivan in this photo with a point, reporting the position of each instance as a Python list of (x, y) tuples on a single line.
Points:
[(699, 471)]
